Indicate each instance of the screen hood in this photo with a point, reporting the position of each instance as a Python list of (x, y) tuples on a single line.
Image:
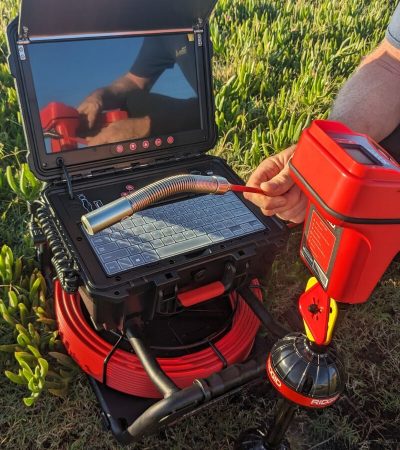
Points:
[(51, 18)]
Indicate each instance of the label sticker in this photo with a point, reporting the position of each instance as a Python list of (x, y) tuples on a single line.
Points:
[(319, 245)]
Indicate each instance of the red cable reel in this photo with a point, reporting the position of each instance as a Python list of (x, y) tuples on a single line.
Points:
[(125, 373)]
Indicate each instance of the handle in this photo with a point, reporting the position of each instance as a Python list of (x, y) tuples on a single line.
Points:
[(209, 291)]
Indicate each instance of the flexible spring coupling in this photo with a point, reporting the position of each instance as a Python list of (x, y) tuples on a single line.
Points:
[(123, 207)]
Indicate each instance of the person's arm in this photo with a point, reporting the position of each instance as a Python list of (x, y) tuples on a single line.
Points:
[(110, 97), (369, 102)]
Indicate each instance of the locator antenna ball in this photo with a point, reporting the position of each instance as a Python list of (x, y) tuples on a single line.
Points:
[(124, 207), (305, 374)]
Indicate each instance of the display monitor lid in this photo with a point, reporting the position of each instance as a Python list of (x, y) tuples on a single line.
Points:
[(164, 111), (51, 18)]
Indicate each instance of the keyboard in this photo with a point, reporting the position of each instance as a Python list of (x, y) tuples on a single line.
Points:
[(164, 231)]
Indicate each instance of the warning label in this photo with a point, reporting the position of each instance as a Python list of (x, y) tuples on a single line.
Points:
[(320, 242)]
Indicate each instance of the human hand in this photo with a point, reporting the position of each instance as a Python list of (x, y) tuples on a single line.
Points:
[(91, 107), (122, 130), (283, 197)]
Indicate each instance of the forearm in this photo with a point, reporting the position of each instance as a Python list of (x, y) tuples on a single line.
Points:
[(114, 95), (369, 102)]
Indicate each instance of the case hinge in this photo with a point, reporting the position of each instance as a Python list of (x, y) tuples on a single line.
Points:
[(198, 32), (23, 38), (61, 164)]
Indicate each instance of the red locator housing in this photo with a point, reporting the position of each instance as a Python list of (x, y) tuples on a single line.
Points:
[(62, 123), (352, 227)]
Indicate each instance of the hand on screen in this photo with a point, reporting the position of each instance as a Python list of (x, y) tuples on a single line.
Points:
[(283, 198), (122, 130), (91, 107)]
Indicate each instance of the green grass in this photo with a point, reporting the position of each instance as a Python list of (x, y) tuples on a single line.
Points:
[(277, 65)]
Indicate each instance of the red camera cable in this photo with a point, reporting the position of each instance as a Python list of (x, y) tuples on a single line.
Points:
[(240, 188), (125, 373)]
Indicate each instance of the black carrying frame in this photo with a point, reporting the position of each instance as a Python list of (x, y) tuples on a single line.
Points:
[(151, 290)]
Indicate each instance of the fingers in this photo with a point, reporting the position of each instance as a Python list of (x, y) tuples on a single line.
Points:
[(100, 138), (276, 188), (90, 109), (282, 197), (279, 184), (268, 169), (295, 208)]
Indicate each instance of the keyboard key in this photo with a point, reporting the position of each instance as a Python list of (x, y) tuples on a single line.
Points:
[(149, 227), (216, 236), (101, 240), (257, 226), (209, 228), (157, 243), (106, 248), (127, 224), (125, 263), (138, 220), (183, 247), (189, 234), (227, 233), (156, 235), (220, 226), (179, 237), (159, 225), (168, 240), (236, 230), (135, 240), (137, 260), (113, 256), (135, 250), (167, 232), (246, 227), (112, 267), (178, 229), (150, 256), (122, 243)]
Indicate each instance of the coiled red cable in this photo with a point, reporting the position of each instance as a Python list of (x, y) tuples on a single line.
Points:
[(125, 373)]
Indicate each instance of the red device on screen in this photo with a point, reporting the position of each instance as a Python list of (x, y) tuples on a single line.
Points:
[(352, 227), (61, 123)]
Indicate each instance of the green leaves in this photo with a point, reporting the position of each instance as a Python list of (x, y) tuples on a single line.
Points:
[(278, 65), (23, 182), (33, 335)]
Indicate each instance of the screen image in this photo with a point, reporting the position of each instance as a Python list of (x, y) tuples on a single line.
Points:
[(359, 154), (101, 91)]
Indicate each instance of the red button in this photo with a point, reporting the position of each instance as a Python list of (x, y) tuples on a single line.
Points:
[(129, 187), (170, 140), (119, 148), (158, 142), (133, 146), (145, 144)]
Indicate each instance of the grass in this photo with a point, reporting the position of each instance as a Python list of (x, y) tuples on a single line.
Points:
[(277, 65)]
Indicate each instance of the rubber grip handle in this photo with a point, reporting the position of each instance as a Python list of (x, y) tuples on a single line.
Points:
[(201, 294)]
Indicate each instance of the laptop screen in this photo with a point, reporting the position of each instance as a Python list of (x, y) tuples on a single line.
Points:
[(109, 90)]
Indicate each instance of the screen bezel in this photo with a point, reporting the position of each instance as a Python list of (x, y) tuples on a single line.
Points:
[(47, 166)]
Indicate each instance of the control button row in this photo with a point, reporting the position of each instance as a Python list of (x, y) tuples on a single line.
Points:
[(133, 146)]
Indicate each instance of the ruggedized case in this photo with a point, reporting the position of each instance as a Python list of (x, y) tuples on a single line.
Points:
[(108, 168), (150, 292)]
